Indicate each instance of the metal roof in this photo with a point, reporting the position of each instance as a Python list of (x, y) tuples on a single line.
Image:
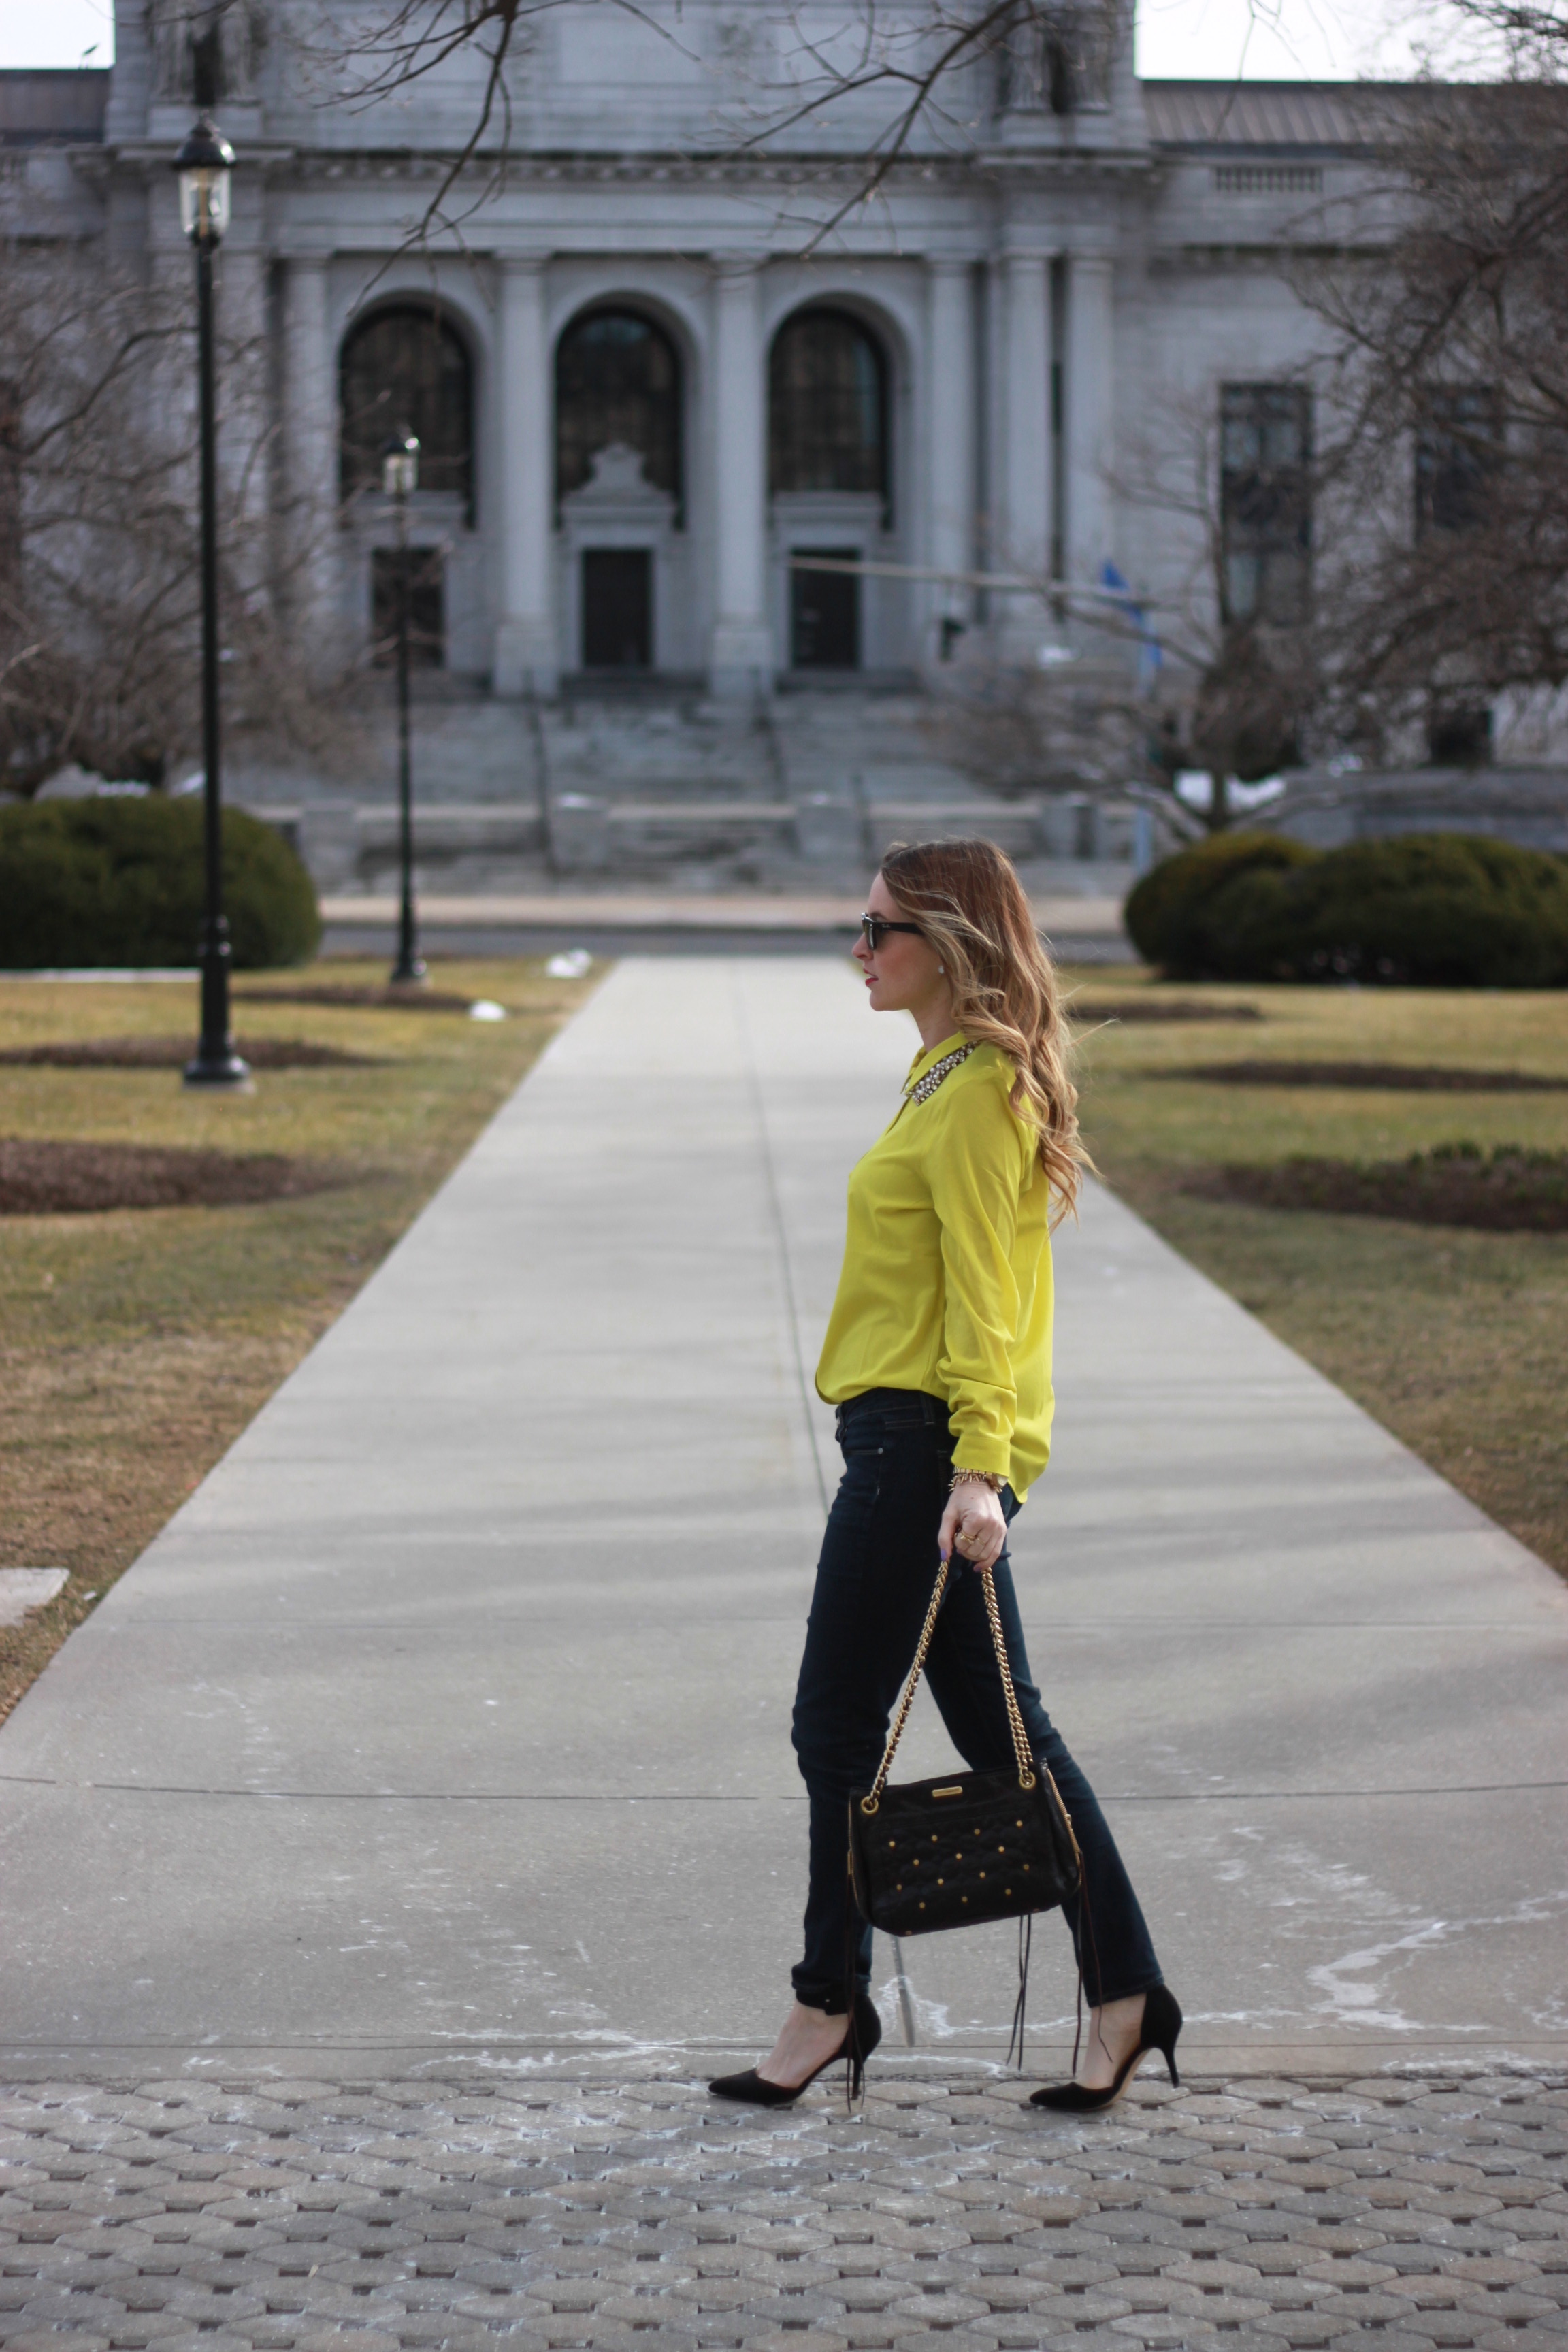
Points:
[(1308, 114), (1256, 113)]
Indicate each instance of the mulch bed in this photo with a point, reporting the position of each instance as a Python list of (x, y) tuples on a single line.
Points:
[(39, 1178), (173, 1053), (1508, 1190), (343, 992), (1393, 1078), (1162, 1008)]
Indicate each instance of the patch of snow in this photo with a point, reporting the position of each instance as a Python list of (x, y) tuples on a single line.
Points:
[(24, 1589), (573, 963)]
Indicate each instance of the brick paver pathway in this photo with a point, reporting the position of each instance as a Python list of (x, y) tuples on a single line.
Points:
[(641, 2213)]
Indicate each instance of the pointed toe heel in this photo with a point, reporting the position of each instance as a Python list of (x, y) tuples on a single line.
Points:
[(861, 2035), (753, 2091), (1162, 2023)]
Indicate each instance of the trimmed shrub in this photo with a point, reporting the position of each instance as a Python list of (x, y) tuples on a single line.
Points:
[(1166, 914), (117, 881), (1439, 911)]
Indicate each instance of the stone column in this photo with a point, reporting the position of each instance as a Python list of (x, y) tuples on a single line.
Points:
[(740, 657), (950, 375), (526, 656), (1026, 518), (1090, 393), (243, 331), (310, 441)]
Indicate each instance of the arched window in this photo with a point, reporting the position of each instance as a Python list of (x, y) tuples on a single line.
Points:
[(827, 413), (617, 380), (407, 370)]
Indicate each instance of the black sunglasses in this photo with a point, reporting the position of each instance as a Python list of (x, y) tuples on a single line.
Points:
[(872, 928)]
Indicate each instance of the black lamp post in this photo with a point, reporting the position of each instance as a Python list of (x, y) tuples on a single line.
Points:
[(400, 479), (203, 164)]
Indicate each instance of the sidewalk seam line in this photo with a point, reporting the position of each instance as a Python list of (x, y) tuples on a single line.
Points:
[(711, 1796)]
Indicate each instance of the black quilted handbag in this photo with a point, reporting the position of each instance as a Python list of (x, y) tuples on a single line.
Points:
[(971, 1846)]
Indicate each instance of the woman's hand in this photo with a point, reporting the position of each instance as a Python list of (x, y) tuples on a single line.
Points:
[(974, 1523)]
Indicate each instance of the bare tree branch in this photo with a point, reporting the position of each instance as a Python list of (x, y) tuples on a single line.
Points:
[(401, 43), (1449, 370), (99, 545)]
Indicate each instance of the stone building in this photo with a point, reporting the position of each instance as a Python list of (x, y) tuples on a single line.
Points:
[(643, 400), (665, 351)]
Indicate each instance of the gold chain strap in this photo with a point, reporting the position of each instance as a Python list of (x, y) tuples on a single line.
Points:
[(1015, 1721), (869, 1803)]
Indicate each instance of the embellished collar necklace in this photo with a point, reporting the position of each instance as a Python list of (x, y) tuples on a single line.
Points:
[(923, 1088)]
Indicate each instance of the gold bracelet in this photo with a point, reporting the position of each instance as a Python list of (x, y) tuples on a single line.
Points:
[(985, 1478)]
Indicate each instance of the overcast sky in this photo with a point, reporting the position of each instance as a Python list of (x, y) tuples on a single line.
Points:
[(1207, 39)]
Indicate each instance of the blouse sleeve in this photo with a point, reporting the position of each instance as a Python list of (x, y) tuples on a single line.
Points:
[(975, 1176)]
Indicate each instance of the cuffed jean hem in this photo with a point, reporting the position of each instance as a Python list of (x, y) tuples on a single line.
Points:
[(829, 1998), (1132, 1992)]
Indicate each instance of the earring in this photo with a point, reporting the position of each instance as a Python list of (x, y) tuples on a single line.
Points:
[(942, 968)]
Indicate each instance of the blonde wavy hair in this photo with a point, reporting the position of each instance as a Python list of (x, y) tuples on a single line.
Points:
[(970, 905)]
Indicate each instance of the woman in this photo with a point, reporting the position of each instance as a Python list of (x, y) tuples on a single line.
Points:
[(938, 1359)]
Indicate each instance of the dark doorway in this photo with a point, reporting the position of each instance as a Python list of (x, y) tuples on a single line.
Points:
[(825, 613), (618, 608), (426, 606), (1459, 737)]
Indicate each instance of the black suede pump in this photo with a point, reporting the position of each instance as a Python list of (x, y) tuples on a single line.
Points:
[(862, 2032), (1162, 2023)]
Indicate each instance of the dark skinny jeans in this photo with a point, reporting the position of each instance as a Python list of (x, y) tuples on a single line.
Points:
[(874, 1584)]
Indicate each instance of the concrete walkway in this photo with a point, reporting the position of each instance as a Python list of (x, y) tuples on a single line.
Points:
[(450, 1717)]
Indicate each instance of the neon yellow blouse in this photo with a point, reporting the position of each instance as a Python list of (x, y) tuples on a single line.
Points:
[(946, 1284)]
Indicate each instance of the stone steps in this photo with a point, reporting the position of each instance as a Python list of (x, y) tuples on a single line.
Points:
[(808, 793)]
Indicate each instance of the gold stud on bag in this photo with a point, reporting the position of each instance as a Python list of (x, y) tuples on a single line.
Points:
[(930, 1854)]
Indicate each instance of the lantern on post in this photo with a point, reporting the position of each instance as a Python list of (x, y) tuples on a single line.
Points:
[(399, 480), (204, 165)]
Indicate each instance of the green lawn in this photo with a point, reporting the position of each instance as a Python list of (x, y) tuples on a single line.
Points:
[(137, 1344), (1456, 1340)]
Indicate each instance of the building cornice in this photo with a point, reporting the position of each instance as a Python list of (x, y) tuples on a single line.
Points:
[(150, 158), (537, 167)]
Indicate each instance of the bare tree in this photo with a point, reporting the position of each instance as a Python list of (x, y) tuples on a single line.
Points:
[(1443, 581), (1220, 673), (1054, 725), (1532, 34), (1100, 725), (1378, 591), (100, 553)]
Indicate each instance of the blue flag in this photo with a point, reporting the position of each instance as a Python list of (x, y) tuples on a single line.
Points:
[(1149, 658)]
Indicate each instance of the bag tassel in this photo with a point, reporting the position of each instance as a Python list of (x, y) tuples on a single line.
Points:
[(854, 2071), (1026, 1942), (1086, 1928)]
